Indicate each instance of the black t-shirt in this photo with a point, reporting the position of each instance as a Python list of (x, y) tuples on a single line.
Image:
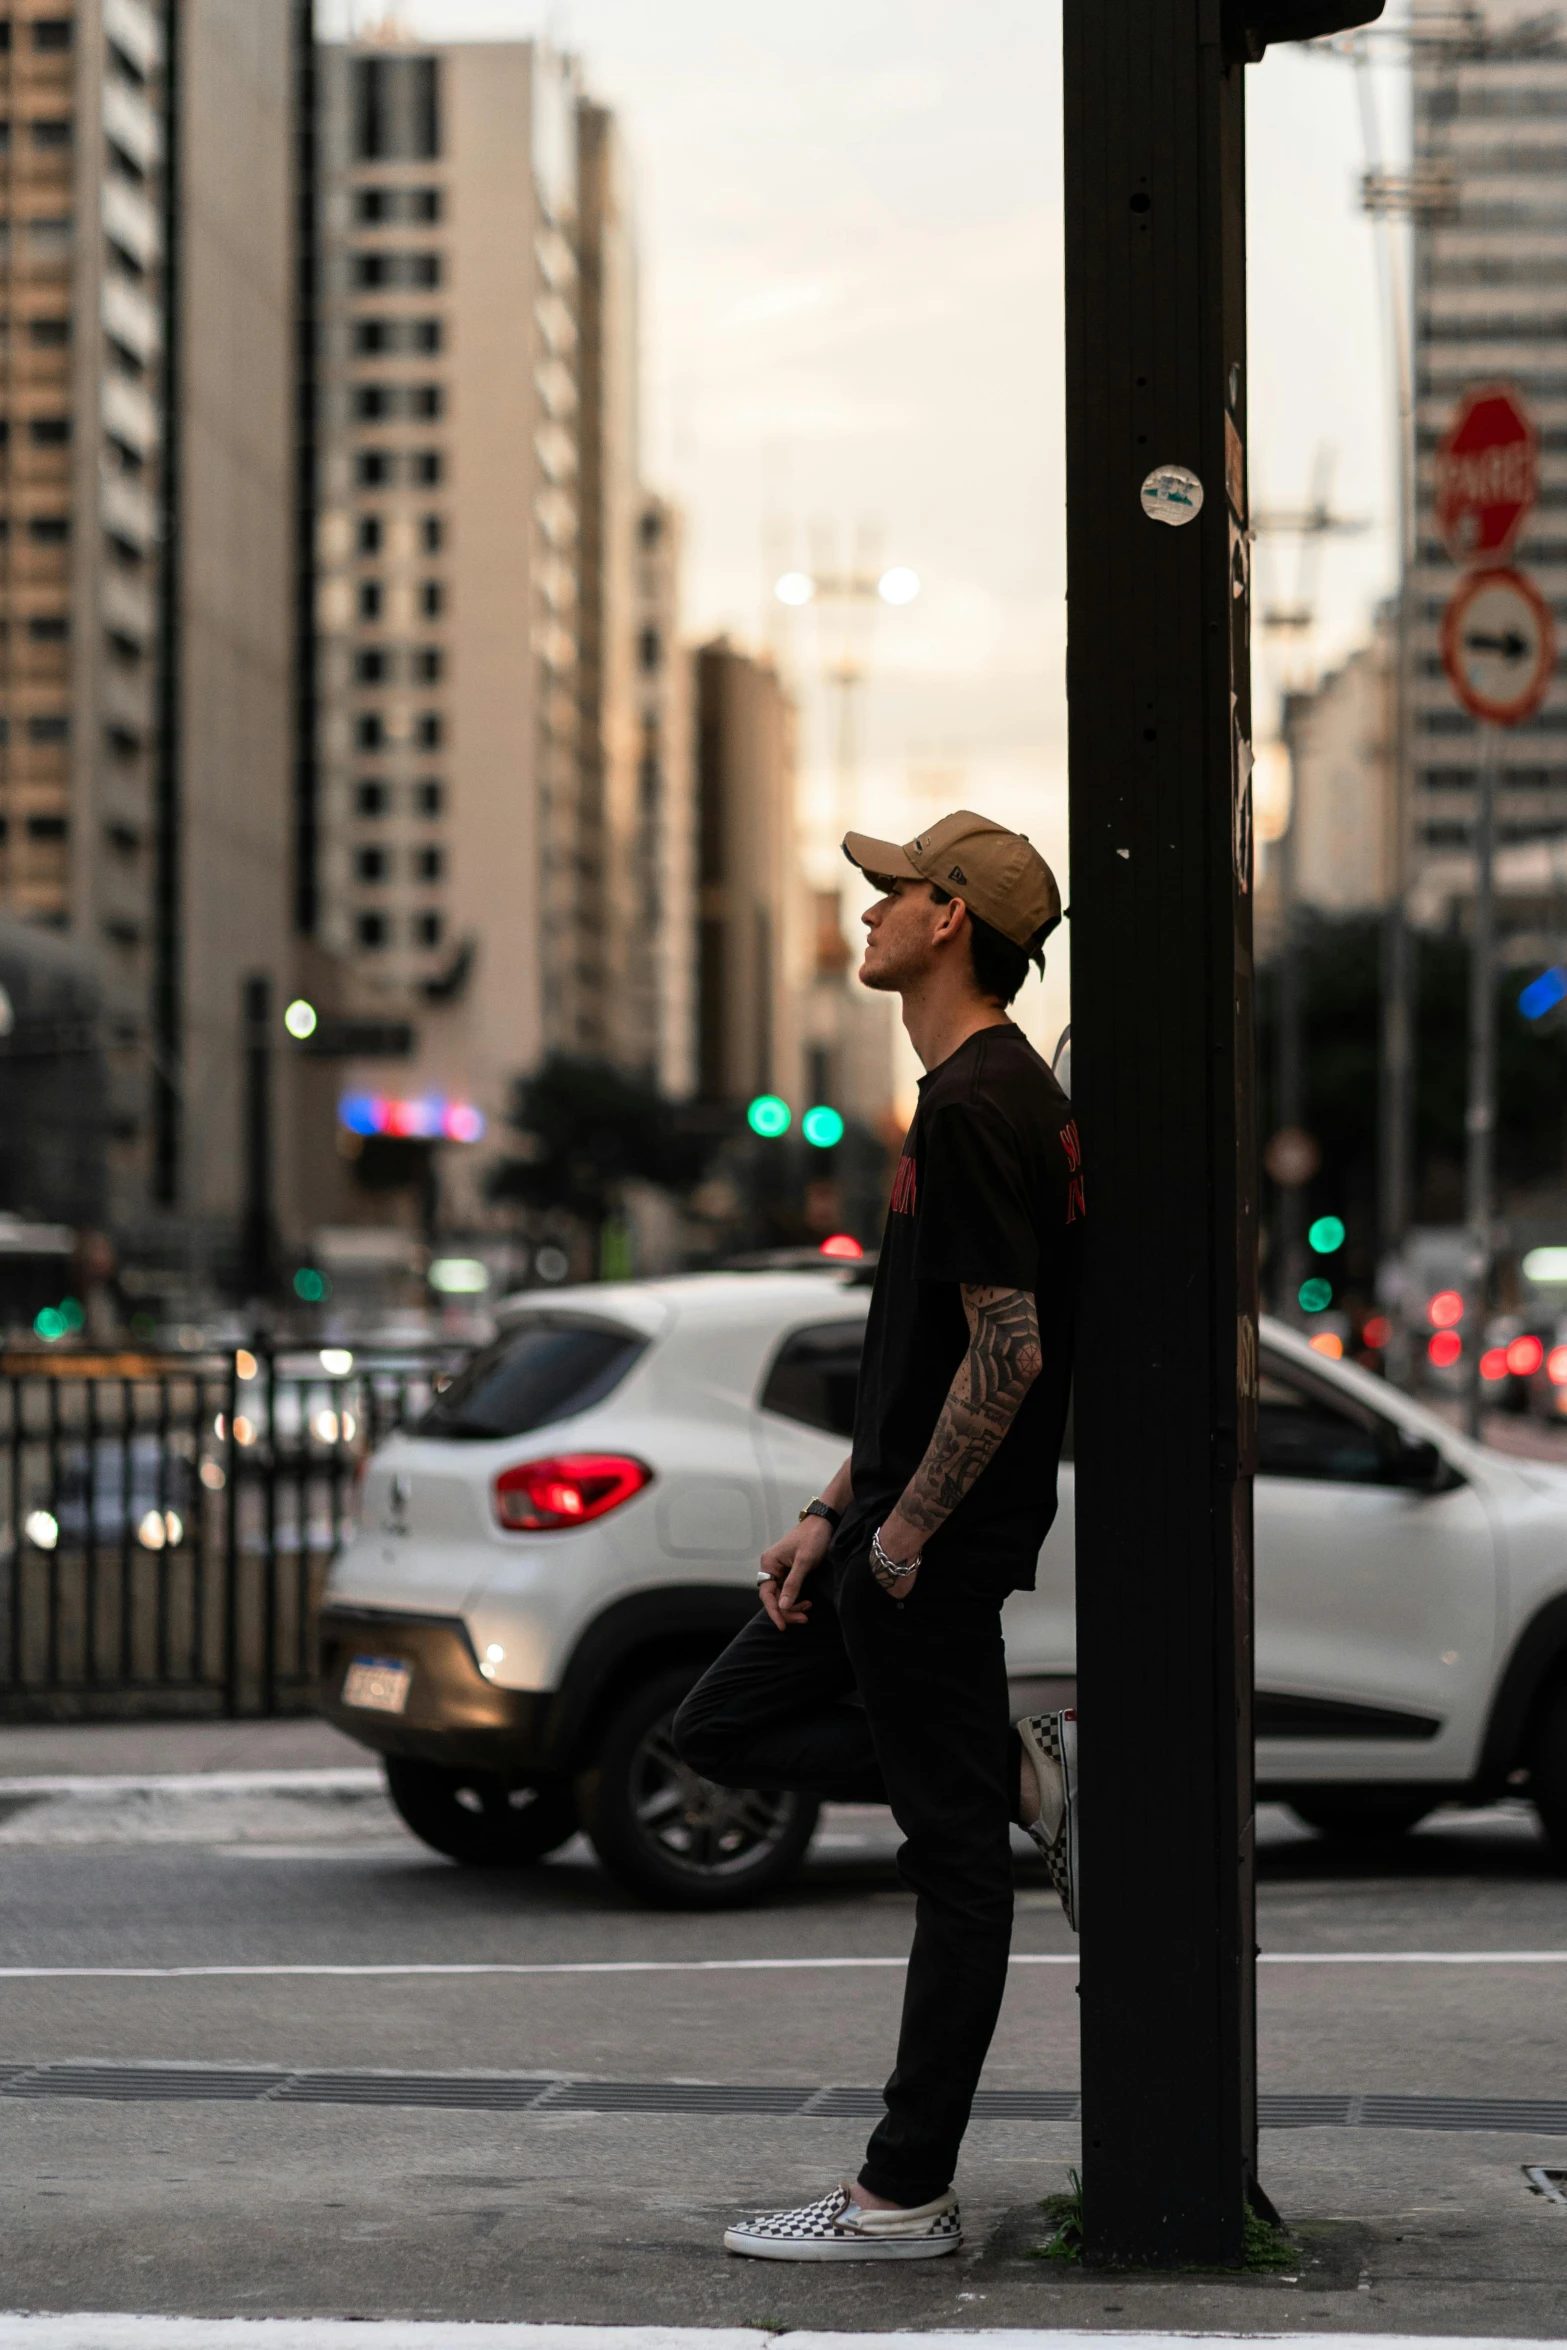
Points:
[(988, 1192)]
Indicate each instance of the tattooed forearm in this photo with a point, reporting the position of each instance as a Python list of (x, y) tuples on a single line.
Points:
[(1002, 1362)]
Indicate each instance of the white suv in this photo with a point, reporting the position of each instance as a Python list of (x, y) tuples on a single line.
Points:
[(544, 1566)]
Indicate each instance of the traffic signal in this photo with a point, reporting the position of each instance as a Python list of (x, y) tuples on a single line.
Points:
[(1316, 1295), (1326, 1235), (768, 1116), (1250, 25), (822, 1126)]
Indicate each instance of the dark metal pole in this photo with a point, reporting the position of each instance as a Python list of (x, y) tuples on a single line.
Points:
[(1480, 1114), (258, 1240), (1289, 1254), (1158, 685), (168, 1024), (307, 779)]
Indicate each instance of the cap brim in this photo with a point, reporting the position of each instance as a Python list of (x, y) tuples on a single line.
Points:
[(878, 857)]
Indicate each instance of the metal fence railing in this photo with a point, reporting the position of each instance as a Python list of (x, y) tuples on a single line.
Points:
[(167, 1521)]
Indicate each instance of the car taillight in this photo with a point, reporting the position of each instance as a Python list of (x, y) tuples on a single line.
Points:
[(541, 1497)]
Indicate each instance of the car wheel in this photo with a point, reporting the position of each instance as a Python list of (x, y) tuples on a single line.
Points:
[(1360, 1819), (1548, 1769), (673, 1837), (475, 1817)]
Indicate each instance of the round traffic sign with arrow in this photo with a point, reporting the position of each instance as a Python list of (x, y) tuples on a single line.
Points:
[(1487, 473), (1498, 646)]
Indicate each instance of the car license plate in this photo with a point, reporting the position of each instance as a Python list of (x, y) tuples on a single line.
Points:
[(381, 1683)]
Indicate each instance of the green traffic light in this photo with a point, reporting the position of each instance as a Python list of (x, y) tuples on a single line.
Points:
[(1316, 1295), (1326, 1234), (822, 1126), (768, 1116), (310, 1286)]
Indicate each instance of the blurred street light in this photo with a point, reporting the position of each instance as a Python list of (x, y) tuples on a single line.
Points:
[(300, 1019)]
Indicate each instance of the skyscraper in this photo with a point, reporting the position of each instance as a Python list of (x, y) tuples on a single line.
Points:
[(82, 252), (145, 328), (1490, 276), (480, 812)]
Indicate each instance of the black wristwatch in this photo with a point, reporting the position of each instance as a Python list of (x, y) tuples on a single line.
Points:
[(821, 1509)]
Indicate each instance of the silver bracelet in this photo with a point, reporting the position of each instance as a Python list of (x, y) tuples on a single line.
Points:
[(889, 1572)]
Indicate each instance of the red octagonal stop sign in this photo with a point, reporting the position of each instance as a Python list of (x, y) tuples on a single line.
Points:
[(1487, 473)]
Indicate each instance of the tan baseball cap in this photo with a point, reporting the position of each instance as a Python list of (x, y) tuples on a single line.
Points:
[(999, 875)]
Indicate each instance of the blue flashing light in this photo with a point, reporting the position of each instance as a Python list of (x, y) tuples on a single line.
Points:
[(1542, 995), (360, 1113)]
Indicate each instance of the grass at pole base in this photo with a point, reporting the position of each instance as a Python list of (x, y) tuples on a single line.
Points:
[(1268, 2250)]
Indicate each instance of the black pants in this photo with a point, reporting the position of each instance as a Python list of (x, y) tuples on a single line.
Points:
[(877, 1702)]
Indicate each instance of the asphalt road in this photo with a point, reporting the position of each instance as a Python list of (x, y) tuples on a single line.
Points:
[(213, 2207)]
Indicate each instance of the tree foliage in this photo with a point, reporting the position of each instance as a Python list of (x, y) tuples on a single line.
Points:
[(588, 1128)]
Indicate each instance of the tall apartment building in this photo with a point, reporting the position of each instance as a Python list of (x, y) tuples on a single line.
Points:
[(493, 831), (1490, 264), (81, 344), (146, 447), (1342, 849), (748, 890)]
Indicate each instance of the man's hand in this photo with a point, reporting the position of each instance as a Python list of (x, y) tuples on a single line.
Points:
[(787, 1564)]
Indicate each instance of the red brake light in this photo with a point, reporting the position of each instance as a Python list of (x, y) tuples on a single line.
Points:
[(1525, 1356), (841, 1244), (541, 1497), (1556, 1366), (1445, 1348), (1493, 1363), (1446, 1308)]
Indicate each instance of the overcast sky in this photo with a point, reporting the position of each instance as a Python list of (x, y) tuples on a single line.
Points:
[(850, 226)]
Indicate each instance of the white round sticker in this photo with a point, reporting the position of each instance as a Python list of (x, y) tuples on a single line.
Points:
[(1172, 494)]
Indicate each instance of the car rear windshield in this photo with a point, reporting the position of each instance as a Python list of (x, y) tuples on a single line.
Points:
[(542, 1371)]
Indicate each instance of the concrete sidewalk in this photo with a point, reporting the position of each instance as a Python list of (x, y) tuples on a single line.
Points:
[(100, 2332), (31, 1750)]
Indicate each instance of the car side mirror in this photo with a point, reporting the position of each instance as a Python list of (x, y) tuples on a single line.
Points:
[(1418, 1463)]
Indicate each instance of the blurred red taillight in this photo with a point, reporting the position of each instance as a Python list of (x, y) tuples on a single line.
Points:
[(541, 1497), (1525, 1356)]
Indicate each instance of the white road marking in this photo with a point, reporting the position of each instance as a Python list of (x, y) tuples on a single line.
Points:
[(745, 1966)]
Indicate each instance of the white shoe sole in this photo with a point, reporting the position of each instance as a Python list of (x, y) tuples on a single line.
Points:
[(838, 2248)]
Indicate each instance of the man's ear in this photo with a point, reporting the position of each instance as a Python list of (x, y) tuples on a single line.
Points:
[(952, 917)]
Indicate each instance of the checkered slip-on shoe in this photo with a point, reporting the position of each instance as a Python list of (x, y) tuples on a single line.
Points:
[(1050, 1742), (837, 2229)]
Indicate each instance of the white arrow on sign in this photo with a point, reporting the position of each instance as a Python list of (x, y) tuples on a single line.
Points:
[(1498, 646)]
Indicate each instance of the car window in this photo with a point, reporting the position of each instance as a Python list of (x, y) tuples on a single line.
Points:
[(540, 1371), (1302, 1432), (815, 1376)]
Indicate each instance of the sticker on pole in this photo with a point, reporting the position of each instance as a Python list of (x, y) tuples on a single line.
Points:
[(1172, 494), (1487, 473), (1498, 646)]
